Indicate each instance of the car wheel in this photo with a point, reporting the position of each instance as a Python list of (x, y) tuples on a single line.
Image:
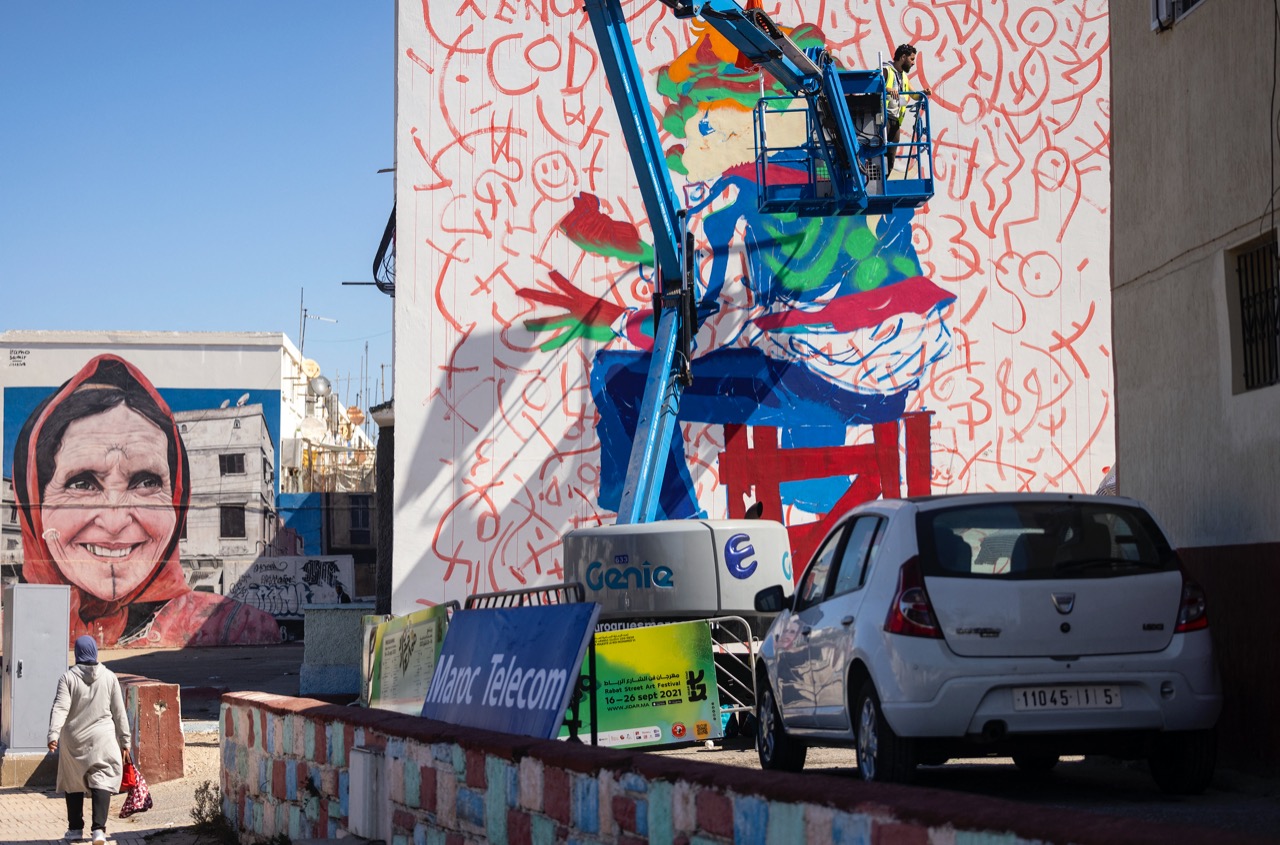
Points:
[(1182, 762), (777, 750), (883, 756), (1035, 764)]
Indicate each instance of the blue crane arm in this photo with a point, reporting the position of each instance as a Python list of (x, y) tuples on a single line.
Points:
[(759, 39), (673, 290), (626, 85)]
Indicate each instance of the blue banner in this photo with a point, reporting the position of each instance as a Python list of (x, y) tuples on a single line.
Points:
[(510, 669)]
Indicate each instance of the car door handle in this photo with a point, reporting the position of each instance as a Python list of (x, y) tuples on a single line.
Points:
[(847, 621)]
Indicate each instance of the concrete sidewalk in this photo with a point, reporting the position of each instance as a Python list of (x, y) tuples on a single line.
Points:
[(38, 815)]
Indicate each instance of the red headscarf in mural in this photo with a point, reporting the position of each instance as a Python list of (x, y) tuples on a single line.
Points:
[(101, 478)]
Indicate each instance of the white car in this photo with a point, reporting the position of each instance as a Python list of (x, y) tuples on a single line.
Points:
[(1023, 625)]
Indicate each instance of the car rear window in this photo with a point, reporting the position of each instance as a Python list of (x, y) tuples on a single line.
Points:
[(1041, 540)]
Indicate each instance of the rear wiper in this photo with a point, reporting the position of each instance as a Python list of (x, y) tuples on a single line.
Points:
[(1093, 562)]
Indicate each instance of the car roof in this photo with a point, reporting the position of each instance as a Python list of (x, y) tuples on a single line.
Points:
[(950, 500)]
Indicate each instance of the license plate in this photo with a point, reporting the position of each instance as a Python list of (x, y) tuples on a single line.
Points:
[(1066, 698)]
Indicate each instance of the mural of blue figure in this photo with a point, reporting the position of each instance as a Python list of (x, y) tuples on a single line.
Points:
[(832, 326)]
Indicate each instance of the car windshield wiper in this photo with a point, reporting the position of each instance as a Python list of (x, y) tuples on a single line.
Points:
[(1110, 562)]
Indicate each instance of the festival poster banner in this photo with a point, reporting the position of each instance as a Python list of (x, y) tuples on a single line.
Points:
[(655, 685), (511, 669), (405, 650)]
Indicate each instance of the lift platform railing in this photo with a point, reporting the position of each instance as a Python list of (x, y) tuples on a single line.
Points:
[(838, 165)]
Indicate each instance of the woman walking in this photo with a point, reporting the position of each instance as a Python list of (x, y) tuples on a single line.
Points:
[(89, 732)]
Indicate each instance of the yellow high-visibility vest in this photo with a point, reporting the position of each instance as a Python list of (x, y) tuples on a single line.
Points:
[(894, 78)]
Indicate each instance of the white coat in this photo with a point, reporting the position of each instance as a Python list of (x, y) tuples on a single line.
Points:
[(89, 723)]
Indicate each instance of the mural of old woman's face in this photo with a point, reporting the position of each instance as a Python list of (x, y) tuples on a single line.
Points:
[(108, 511)]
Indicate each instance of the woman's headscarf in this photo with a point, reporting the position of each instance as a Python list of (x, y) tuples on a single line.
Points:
[(86, 651), (103, 383)]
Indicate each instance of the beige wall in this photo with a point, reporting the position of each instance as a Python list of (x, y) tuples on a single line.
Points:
[(1191, 162)]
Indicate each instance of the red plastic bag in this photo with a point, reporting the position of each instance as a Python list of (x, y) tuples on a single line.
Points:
[(130, 779), (139, 798)]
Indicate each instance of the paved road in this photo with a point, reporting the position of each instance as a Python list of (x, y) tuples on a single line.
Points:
[(1235, 802), (204, 674)]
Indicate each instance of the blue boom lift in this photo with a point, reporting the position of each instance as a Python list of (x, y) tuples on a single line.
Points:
[(837, 168)]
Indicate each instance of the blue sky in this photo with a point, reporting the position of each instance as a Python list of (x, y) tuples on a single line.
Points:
[(187, 166)]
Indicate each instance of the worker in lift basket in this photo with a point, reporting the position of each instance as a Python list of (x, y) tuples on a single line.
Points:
[(900, 96)]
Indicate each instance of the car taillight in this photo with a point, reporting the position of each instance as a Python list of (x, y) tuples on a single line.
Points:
[(1192, 611), (911, 614)]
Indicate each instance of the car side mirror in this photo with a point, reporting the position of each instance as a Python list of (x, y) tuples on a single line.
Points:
[(771, 599)]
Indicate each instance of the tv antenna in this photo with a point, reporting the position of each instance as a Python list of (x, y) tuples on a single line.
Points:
[(302, 323)]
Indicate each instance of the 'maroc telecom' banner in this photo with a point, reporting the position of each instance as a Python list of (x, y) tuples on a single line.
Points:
[(511, 669), (405, 650), (655, 685)]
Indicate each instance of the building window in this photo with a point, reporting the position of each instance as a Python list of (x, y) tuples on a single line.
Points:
[(268, 471), (1259, 321), (1165, 13), (361, 521), (231, 464), (235, 423), (232, 522)]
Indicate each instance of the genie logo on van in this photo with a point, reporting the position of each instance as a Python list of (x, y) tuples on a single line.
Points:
[(738, 550), (623, 575)]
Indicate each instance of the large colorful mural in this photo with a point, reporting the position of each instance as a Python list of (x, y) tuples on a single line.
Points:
[(962, 346), (102, 482)]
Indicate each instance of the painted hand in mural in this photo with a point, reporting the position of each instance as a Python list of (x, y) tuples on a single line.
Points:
[(587, 317)]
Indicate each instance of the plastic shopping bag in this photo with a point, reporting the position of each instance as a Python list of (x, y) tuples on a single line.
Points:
[(139, 798)]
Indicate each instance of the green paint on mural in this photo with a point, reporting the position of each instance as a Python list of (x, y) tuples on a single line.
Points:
[(871, 273)]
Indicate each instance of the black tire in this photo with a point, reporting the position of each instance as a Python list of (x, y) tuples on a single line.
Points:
[(1182, 762), (778, 752), (883, 756), (1035, 764)]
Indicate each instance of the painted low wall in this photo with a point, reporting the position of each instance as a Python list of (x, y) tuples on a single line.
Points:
[(286, 769), (155, 720)]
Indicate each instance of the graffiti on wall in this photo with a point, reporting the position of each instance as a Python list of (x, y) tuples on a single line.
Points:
[(282, 585), (987, 309), (102, 482)]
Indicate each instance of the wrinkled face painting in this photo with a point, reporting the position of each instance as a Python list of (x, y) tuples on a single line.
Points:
[(108, 510)]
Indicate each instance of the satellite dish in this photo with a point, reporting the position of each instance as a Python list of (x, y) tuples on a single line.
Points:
[(226, 403), (313, 429), (243, 398), (320, 386), (310, 368)]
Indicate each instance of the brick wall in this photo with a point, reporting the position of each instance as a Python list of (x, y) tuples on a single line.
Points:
[(285, 770)]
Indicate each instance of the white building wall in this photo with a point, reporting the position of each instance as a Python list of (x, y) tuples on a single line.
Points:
[(209, 435), (504, 125)]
